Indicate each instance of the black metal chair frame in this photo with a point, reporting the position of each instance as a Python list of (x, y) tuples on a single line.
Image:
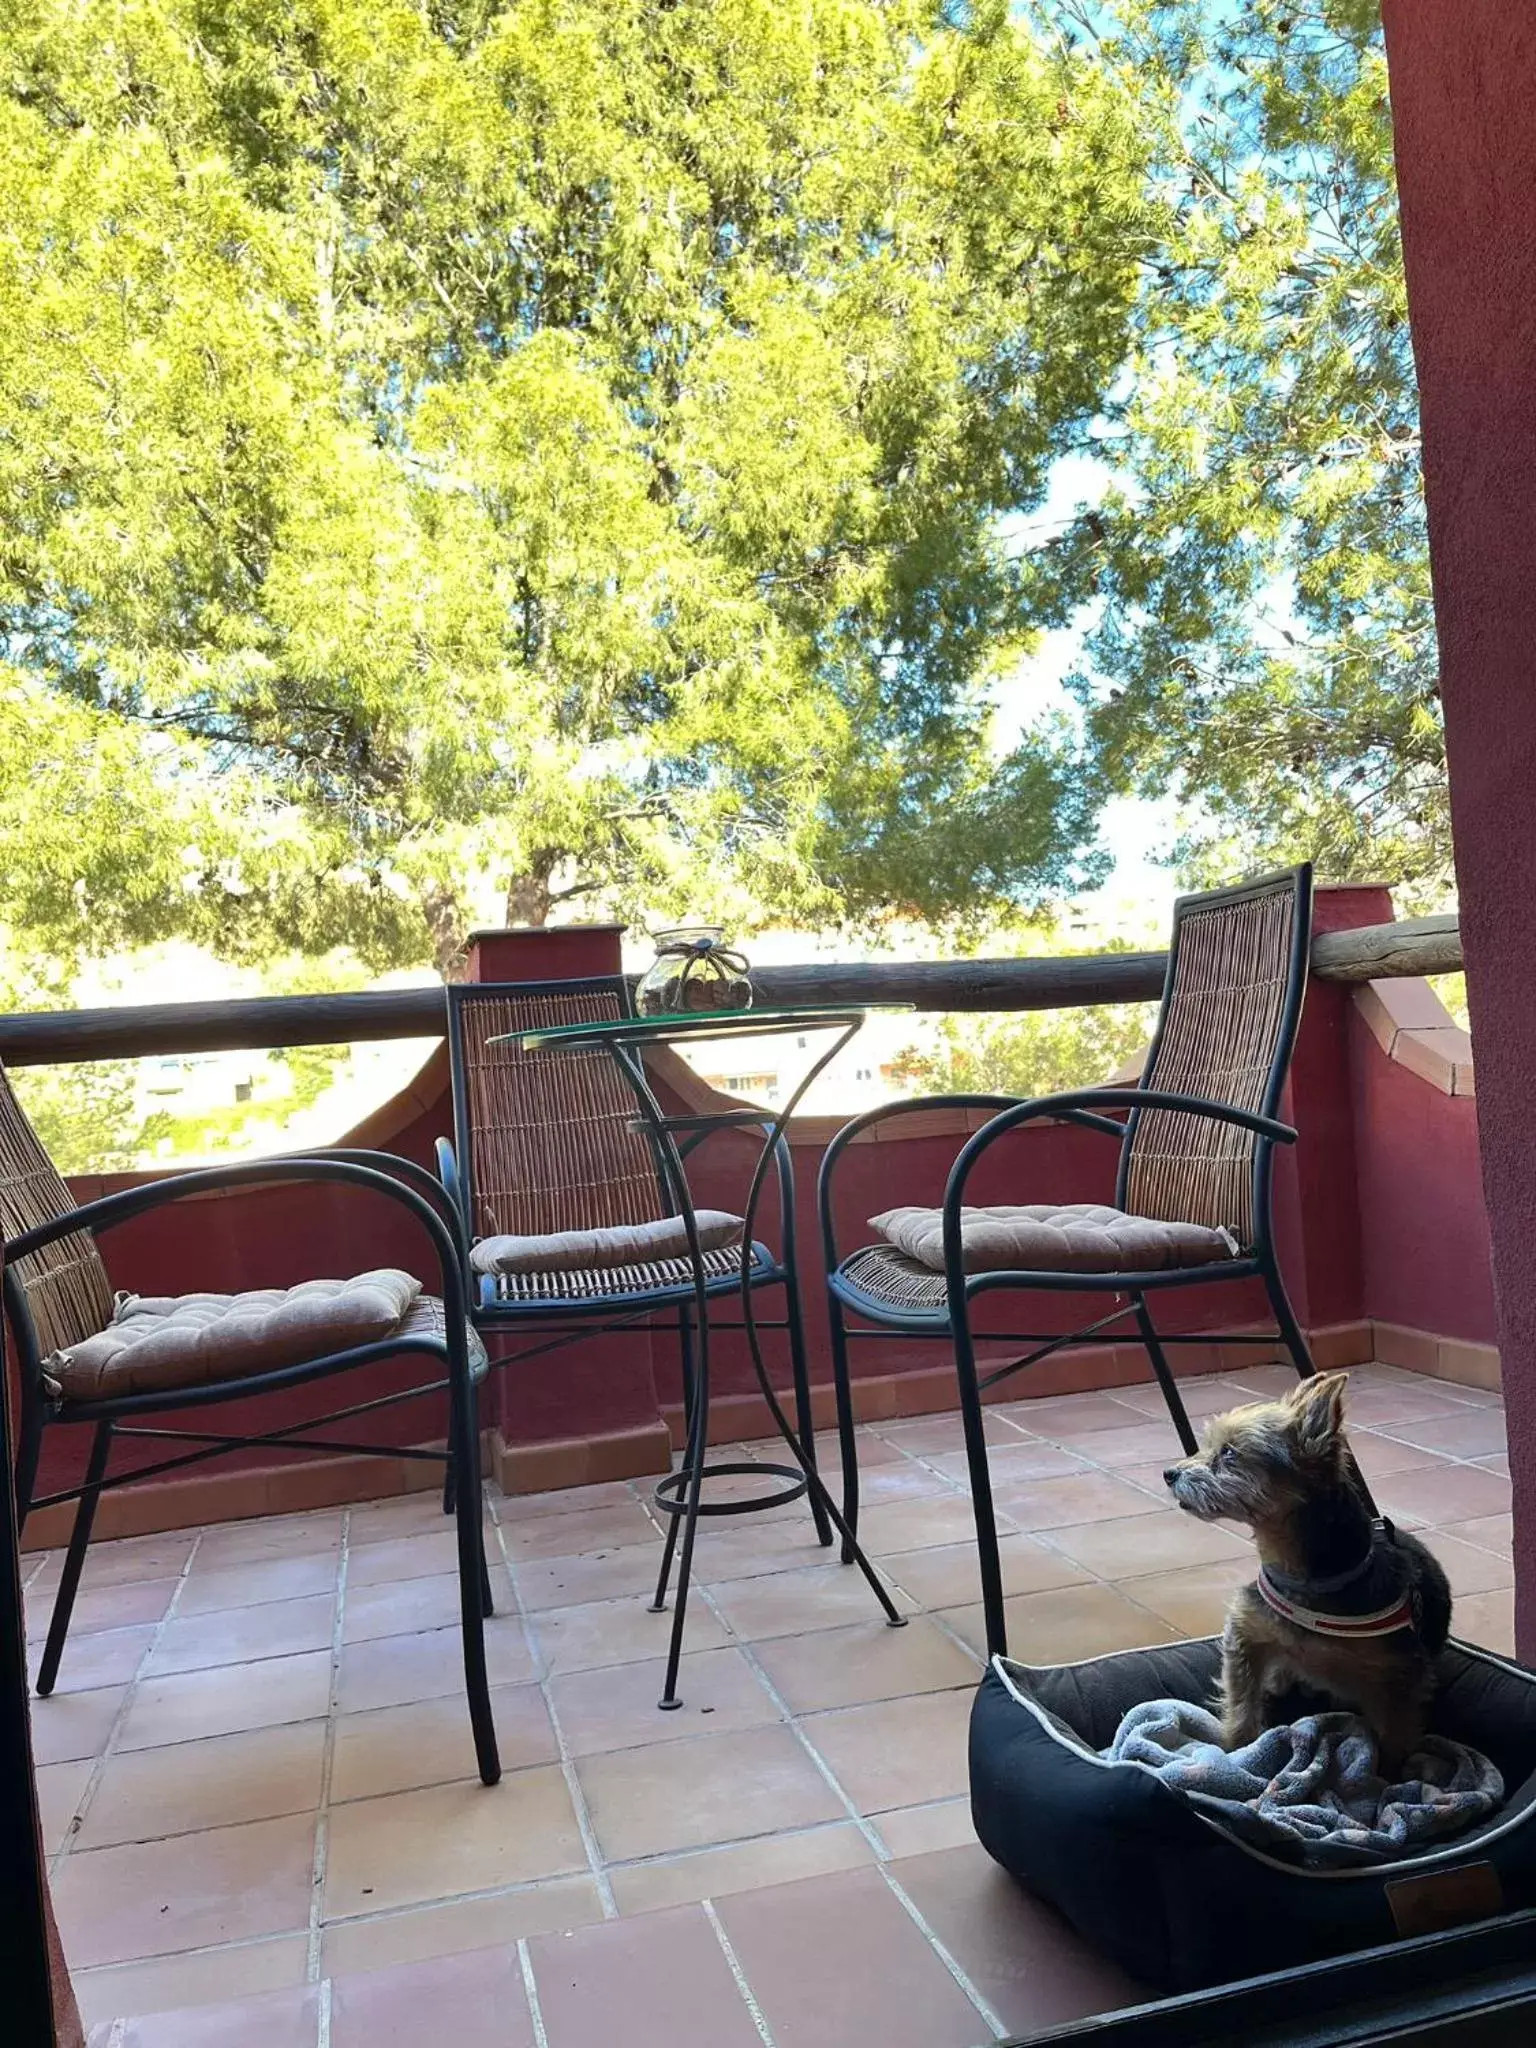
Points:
[(398, 1180), (677, 1308), (1087, 1107)]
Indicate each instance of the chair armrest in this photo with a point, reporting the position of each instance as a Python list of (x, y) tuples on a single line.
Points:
[(1051, 1107), (110, 1210), (912, 1105)]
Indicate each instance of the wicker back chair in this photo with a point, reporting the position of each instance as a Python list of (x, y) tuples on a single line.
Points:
[(1236, 971), (547, 1141), (63, 1289), (1196, 1145), (57, 1295)]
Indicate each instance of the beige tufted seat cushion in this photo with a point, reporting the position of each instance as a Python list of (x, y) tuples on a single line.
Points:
[(629, 1244), (1055, 1237), (155, 1343)]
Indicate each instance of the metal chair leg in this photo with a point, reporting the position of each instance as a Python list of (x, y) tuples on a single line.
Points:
[(698, 1442), (847, 1441), (805, 1423), (74, 1560), (691, 1450), (1165, 1378), (974, 1425), (474, 1581)]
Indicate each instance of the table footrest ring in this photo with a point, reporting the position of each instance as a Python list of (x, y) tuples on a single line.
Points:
[(671, 1494)]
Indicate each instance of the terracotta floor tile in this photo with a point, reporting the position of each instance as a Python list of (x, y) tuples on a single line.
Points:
[(573, 1500), (1059, 1503), (897, 1752), (753, 1547), (951, 1576), (1192, 1598), (1029, 1458), (1499, 1464), (137, 1602), (193, 1891), (411, 1847), (429, 1742), (1382, 1408), (473, 2001), (253, 1585), (222, 1782), (844, 1667), (387, 1521), (1076, 1414), (743, 1867), (791, 1602), (1024, 1959), (666, 1974), (1202, 1394), (273, 2019), (128, 1560), (1128, 1546), (721, 1788), (238, 1543), (919, 1830), (1488, 1532), (242, 1635), (623, 1574), (902, 1479), (1487, 1619), (1442, 1494), (60, 1789), (392, 1670), (1144, 1443), (418, 1933), (110, 1657), (426, 1554), (837, 1960), (1380, 1456), (618, 1632), (195, 1704), (616, 1708), (1467, 1433), (412, 1607), (925, 1434), (1065, 1627), (73, 1724), (1469, 1568), (1265, 1382), (920, 1525), (873, 1449), (610, 1528), (201, 1977)]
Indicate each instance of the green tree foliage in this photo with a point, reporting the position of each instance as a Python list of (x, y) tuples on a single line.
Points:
[(1265, 439), (1035, 1052), (555, 444)]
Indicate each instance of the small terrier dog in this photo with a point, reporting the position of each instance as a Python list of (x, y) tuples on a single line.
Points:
[(1345, 1606)]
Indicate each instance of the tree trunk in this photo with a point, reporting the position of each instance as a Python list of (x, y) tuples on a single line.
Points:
[(528, 894), (445, 922)]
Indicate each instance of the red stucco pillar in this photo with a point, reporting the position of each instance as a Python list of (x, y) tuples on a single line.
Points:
[(1463, 82)]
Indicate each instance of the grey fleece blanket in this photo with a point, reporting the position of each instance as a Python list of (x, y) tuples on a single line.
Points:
[(1311, 1788)]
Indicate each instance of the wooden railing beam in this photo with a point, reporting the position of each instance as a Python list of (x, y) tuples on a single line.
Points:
[(1426, 945)]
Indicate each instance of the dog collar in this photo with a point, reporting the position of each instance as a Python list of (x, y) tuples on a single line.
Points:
[(1385, 1621)]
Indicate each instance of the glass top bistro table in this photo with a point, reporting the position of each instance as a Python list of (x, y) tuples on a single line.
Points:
[(680, 1496)]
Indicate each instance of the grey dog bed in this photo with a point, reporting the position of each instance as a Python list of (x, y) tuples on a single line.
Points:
[(1177, 1898)]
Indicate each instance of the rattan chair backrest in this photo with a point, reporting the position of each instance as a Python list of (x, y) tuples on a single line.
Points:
[(65, 1285), (547, 1140), (1236, 974)]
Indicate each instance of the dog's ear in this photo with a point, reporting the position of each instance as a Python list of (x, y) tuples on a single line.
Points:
[(1318, 1405)]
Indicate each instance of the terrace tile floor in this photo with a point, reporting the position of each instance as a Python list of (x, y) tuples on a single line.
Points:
[(258, 1788)]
